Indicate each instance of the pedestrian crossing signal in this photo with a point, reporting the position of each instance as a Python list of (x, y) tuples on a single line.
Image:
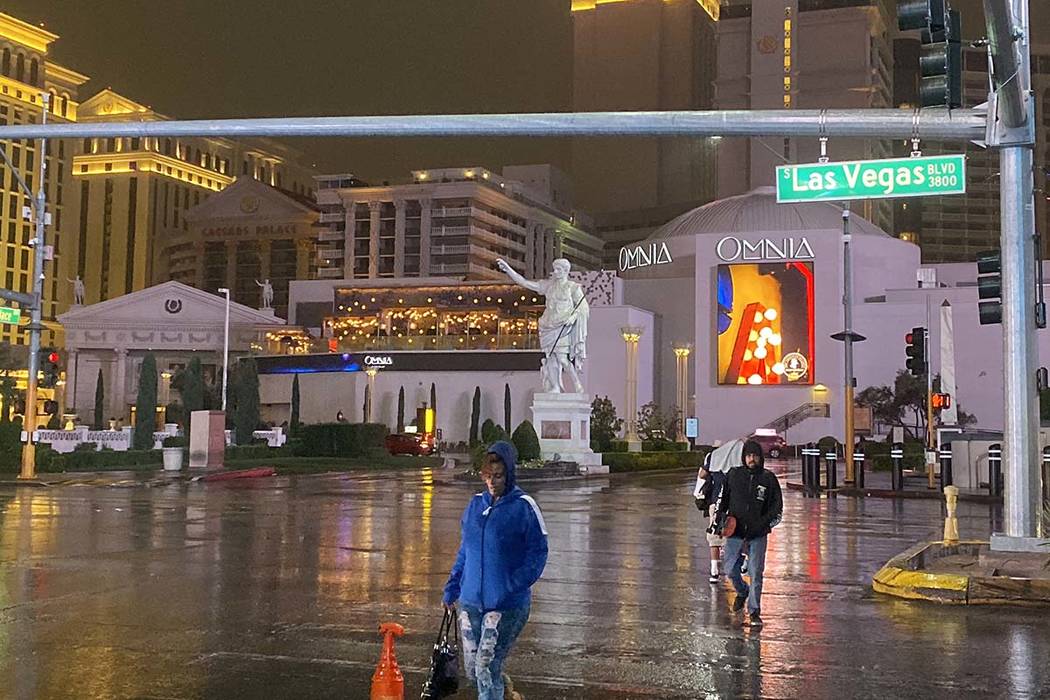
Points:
[(942, 401)]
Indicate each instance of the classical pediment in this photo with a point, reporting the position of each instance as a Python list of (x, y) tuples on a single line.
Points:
[(171, 305), (109, 104), (250, 201)]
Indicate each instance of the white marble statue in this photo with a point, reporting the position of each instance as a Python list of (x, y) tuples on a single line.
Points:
[(267, 293), (563, 325), (78, 291)]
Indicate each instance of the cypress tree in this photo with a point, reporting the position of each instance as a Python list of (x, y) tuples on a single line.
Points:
[(401, 410), (506, 408), (475, 415), (100, 403), (434, 402), (293, 422), (246, 416), (146, 405)]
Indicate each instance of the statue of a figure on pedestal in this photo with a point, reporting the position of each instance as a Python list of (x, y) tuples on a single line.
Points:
[(563, 325), (267, 293), (78, 291)]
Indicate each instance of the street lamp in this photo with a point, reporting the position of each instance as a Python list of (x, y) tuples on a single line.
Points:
[(225, 346), (631, 335), (681, 355)]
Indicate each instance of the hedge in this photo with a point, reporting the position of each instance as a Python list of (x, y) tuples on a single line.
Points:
[(664, 446), (340, 439), (644, 461)]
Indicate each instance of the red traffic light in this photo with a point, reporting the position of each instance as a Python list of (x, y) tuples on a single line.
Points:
[(908, 338), (52, 357)]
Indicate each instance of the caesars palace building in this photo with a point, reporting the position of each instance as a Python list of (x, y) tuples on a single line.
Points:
[(750, 288)]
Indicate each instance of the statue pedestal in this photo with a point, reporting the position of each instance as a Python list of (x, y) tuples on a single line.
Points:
[(563, 423)]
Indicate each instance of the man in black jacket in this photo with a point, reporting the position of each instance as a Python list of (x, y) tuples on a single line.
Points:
[(750, 494)]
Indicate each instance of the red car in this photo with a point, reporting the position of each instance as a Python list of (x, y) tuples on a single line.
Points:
[(772, 445), (409, 444)]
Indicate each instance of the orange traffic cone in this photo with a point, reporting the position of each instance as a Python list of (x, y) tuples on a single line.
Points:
[(387, 681)]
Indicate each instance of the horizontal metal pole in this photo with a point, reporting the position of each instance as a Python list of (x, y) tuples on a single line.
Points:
[(937, 124), (27, 301)]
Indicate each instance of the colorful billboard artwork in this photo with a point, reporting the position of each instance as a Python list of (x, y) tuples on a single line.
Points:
[(764, 322)]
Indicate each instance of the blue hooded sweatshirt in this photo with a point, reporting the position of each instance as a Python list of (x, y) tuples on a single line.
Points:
[(503, 548)]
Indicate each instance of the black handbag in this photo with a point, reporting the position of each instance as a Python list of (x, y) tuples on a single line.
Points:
[(443, 679)]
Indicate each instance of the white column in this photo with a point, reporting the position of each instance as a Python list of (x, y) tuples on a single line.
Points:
[(118, 404), (530, 250), (424, 236), (348, 238), (373, 239), (69, 393), (399, 238)]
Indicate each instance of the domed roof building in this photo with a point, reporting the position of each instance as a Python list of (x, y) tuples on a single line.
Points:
[(756, 288)]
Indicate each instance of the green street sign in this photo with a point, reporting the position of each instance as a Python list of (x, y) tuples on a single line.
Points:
[(872, 179), (10, 315)]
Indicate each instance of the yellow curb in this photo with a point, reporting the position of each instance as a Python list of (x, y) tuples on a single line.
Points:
[(894, 580)]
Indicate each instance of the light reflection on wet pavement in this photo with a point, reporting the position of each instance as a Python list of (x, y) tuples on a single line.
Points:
[(274, 588)]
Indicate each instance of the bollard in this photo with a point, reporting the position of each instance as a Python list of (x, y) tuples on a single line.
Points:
[(387, 682), (807, 468), (951, 523), (858, 469), (1046, 474), (897, 476), (832, 469), (995, 469), (946, 466)]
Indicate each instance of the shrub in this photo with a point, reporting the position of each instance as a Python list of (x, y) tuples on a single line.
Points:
[(494, 433), (643, 461), (175, 441), (526, 441), (617, 446), (604, 425), (664, 446), (341, 439)]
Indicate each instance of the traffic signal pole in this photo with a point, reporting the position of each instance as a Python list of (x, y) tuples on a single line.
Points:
[(1008, 36), (28, 470)]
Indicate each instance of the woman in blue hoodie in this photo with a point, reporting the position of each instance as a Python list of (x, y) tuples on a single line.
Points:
[(501, 554)]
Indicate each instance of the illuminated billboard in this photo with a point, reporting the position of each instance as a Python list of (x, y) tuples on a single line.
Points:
[(764, 323)]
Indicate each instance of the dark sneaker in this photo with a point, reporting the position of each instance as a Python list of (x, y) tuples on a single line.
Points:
[(714, 578), (740, 602), (756, 619), (743, 567)]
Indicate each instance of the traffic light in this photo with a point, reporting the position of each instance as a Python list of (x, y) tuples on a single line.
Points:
[(940, 56), (916, 351), (989, 286), (49, 359)]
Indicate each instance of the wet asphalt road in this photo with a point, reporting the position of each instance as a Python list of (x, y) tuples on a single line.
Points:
[(274, 588)]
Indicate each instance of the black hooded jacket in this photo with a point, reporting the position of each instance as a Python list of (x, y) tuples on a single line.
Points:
[(752, 496)]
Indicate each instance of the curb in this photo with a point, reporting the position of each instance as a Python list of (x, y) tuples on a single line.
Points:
[(903, 576), (924, 494), (237, 474)]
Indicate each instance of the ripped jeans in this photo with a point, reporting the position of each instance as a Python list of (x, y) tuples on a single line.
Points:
[(486, 639)]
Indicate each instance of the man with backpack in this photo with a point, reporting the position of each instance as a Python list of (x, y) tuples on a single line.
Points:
[(750, 506)]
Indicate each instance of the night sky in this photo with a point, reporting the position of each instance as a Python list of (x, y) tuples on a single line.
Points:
[(241, 58)]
